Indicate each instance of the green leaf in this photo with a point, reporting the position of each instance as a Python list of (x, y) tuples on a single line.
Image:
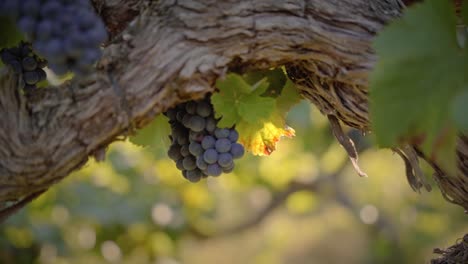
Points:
[(253, 108), (233, 84), (260, 87), (154, 135), (275, 78), (231, 90), (289, 97), (419, 71), (258, 116), (460, 112)]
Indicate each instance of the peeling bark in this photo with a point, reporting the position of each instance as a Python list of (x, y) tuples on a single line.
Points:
[(174, 51)]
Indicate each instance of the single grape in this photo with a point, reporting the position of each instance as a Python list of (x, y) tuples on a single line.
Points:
[(203, 109), (191, 107), (201, 164), (208, 142), (225, 160), (210, 124), (186, 120), (214, 170), (184, 150), (196, 136), (180, 164), (223, 145), (210, 156), (29, 63), (180, 115), (189, 163), (237, 150), (196, 123), (195, 148), (31, 77), (182, 140), (221, 132), (228, 169), (174, 152), (194, 175), (233, 135)]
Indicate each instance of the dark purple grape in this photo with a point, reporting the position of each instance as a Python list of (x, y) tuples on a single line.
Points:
[(31, 77), (184, 151), (182, 140), (195, 149), (228, 169), (214, 170), (223, 145), (208, 142), (194, 175), (210, 124), (197, 123), (233, 135), (180, 115), (210, 156), (29, 63), (201, 164), (189, 163), (186, 120), (221, 132), (174, 152), (203, 109), (225, 160), (191, 107), (237, 150), (196, 136), (180, 164)]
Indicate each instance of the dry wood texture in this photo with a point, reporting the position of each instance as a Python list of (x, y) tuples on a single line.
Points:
[(175, 50)]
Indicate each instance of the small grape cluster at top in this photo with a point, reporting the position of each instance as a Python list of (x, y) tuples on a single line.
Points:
[(25, 63), (199, 147), (68, 33)]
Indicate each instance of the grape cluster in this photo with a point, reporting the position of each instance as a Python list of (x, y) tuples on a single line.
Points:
[(199, 147), (66, 32), (25, 63)]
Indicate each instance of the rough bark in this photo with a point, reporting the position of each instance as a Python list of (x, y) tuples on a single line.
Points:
[(174, 51)]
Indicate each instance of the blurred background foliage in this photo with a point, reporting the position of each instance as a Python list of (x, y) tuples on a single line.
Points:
[(302, 204)]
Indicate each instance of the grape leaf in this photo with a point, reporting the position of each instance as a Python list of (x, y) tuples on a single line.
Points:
[(419, 71), (253, 108), (226, 101), (259, 118), (275, 78), (261, 137), (154, 135)]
